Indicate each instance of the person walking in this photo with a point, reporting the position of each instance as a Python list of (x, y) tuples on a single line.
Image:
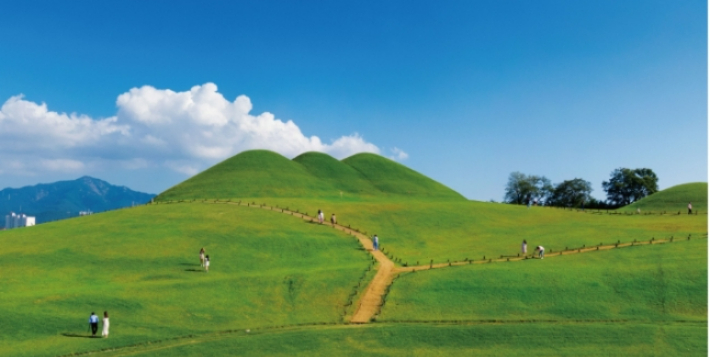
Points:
[(202, 257), (690, 208), (207, 263), (541, 251), (524, 248), (320, 216), (94, 323), (333, 220), (104, 332), (375, 242)]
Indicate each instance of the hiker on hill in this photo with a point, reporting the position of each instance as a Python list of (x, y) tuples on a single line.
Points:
[(207, 263), (541, 251), (690, 208), (104, 333), (94, 322), (332, 219), (375, 242), (320, 216), (202, 257), (524, 247)]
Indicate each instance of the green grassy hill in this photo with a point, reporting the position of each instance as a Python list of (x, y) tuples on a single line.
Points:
[(338, 175), (262, 173), (674, 199), (664, 282), (142, 266)]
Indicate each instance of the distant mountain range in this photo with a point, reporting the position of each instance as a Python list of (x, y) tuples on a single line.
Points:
[(64, 199)]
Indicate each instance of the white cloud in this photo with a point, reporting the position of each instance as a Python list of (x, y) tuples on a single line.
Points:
[(184, 131), (398, 154)]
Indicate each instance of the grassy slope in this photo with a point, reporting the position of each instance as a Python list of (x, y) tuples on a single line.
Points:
[(141, 265), (262, 173), (660, 283), (674, 199), (336, 173), (448, 340), (421, 230), (396, 179), (256, 173)]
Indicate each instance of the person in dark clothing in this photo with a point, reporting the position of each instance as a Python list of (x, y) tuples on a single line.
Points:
[(94, 322)]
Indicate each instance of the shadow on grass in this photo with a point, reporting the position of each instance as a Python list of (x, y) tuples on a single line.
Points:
[(194, 270), (78, 335)]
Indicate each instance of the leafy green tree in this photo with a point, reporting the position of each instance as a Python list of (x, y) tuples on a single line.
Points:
[(626, 185), (571, 193), (522, 188)]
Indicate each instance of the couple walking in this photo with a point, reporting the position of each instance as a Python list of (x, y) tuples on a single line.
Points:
[(94, 324), (321, 217), (204, 260)]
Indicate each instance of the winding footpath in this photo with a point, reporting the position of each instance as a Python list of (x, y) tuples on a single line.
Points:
[(372, 300)]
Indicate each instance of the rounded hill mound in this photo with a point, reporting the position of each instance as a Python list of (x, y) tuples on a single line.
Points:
[(674, 199), (394, 178), (263, 173)]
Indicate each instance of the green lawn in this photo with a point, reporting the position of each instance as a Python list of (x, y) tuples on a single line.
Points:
[(142, 266), (658, 283), (450, 340), (674, 200), (420, 230)]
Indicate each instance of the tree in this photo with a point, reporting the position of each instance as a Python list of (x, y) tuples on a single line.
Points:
[(627, 185), (572, 193), (522, 188)]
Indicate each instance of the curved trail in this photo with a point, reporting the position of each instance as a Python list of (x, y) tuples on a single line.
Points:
[(371, 301)]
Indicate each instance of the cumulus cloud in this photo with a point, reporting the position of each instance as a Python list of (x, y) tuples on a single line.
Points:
[(183, 131)]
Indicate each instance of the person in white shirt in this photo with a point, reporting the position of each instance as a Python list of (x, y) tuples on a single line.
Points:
[(524, 248), (541, 251), (94, 322), (104, 332), (320, 216), (207, 263), (690, 208)]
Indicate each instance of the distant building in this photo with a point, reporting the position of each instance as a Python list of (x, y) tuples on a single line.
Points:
[(13, 220), (85, 213)]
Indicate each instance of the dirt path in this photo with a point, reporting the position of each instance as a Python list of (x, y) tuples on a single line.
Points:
[(371, 301), (502, 259)]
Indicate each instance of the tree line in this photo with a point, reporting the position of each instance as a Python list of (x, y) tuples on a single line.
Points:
[(624, 187)]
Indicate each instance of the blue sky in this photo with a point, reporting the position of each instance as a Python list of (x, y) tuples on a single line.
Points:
[(471, 91)]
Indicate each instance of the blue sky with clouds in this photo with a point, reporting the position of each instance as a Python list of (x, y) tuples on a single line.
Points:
[(144, 94)]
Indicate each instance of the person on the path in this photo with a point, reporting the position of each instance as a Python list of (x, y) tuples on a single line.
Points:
[(529, 203), (94, 322), (690, 208), (207, 263), (524, 248), (375, 242), (541, 251), (104, 333), (320, 216), (202, 257), (333, 220)]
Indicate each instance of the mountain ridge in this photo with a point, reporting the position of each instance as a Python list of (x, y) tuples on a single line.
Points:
[(65, 199)]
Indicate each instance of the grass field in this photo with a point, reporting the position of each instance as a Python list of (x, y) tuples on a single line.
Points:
[(142, 266), (289, 280), (674, 199), (422, 230), (650, 283), (571, 339)]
